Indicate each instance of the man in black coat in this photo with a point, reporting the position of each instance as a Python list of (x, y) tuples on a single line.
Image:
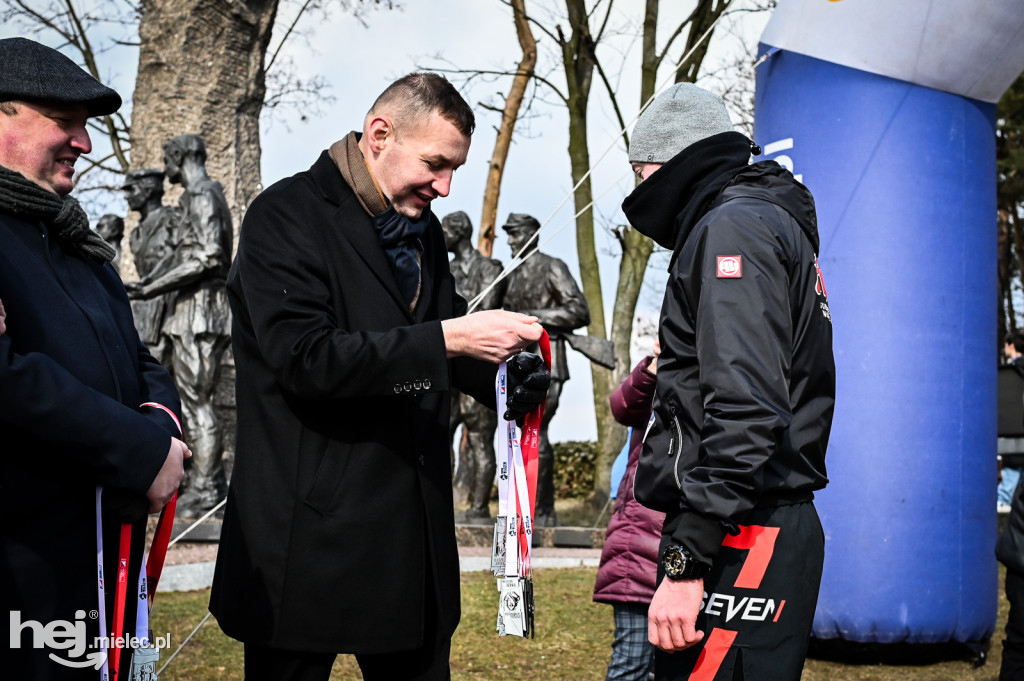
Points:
[(348, 337), (83, 405)]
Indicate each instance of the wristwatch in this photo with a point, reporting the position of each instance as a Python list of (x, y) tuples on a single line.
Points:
[(679, 563)]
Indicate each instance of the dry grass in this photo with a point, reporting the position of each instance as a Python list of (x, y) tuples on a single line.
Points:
[(572, 643)]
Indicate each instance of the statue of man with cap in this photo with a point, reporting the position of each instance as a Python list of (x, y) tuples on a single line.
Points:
[(198, 320), (543, 286), (735, 448), (90, 420), (474, 274), (153, 242), (110, 227)]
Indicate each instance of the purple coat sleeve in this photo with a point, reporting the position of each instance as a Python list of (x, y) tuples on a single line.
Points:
[(628, 568), (631, 401)]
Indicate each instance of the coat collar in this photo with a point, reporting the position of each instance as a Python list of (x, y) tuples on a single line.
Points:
[(356, 227)]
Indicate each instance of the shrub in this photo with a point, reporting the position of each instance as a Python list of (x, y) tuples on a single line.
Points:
[(575, 465)]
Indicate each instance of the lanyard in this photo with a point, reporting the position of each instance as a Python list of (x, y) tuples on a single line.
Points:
[(149, 576), (517, 485), (104, 673)]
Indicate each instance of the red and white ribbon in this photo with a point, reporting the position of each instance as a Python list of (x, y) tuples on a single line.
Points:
[(517, 488)]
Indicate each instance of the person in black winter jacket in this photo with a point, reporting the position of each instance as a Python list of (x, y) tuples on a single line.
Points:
[(1010, 548), (746, 386), (1010, 552), (89, 420)]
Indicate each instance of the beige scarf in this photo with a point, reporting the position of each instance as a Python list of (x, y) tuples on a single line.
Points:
[(347, 155), (351, 163)]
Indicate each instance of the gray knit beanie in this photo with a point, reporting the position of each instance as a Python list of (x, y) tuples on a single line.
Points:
[(680, 116)]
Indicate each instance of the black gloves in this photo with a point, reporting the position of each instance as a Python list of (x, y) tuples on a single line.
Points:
[(528, 381)]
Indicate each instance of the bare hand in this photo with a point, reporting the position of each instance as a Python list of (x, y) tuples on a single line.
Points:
[(169, 477), (491, 335), (672, 616), (653, 366), (3, 318)]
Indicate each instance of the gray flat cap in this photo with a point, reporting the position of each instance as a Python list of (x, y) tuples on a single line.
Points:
[(680, 116), (35, 72), (519, 222)]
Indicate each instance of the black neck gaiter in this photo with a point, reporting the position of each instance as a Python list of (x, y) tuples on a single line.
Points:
[(667, 205)]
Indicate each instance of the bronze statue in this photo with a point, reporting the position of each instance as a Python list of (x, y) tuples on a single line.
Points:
[(198, 320), (543, 286), (110, 227), (473, 273), (152, 241)]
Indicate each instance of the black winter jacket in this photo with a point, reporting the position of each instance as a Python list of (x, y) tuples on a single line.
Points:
[(74, 377), (1010, 546), (746, 378)]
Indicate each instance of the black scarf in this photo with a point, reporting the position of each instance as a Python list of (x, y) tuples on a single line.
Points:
[(24, 198), (667, 205), (401, 238)]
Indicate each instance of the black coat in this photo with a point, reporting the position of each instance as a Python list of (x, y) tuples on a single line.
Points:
[(746, 376), (341, 488), (73, 375), (1010, 545)]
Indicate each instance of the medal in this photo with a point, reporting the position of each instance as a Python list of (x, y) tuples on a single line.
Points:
[(498, 547), (144, 660), (511, 607), (512, 548)]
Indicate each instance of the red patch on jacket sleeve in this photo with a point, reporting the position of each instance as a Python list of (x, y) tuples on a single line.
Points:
[(730, 267)]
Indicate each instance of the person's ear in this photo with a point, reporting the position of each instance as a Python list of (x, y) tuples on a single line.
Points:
[(381, 131)]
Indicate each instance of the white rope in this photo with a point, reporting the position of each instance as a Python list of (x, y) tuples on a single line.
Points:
[(187, 639), (513, 264), (519, 258), (197, 522)]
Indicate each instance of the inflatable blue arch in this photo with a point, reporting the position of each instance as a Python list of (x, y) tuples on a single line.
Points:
[(886, 111)]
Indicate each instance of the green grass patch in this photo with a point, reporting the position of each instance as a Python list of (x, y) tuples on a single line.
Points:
[(573, 640)]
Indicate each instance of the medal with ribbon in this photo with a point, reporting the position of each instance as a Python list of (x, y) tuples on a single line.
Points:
[(513, 531)]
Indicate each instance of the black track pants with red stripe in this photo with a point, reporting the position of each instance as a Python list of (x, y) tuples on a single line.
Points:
[(758, 603)]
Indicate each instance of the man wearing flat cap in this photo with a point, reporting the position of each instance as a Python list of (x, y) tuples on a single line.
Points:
[(89, 418), (735, 448)]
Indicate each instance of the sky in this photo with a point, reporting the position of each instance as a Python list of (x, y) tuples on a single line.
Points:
[(479, 34), (358, 58)]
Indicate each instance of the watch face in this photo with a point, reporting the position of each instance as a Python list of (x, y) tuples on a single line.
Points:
[(674, 562), (678, 563)]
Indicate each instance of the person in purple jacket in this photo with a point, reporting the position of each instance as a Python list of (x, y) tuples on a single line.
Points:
[(627, 574)]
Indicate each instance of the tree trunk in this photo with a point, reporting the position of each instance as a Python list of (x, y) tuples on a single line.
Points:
[(579, 61), (706, 14), (1003, 255), (636, 248), (201, 70), (488, 219)]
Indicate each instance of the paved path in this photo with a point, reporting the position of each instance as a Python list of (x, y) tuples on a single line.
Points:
[(190, 566)]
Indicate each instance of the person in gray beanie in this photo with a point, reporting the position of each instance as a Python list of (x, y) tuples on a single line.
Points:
[(735, 448), (90, 420)]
